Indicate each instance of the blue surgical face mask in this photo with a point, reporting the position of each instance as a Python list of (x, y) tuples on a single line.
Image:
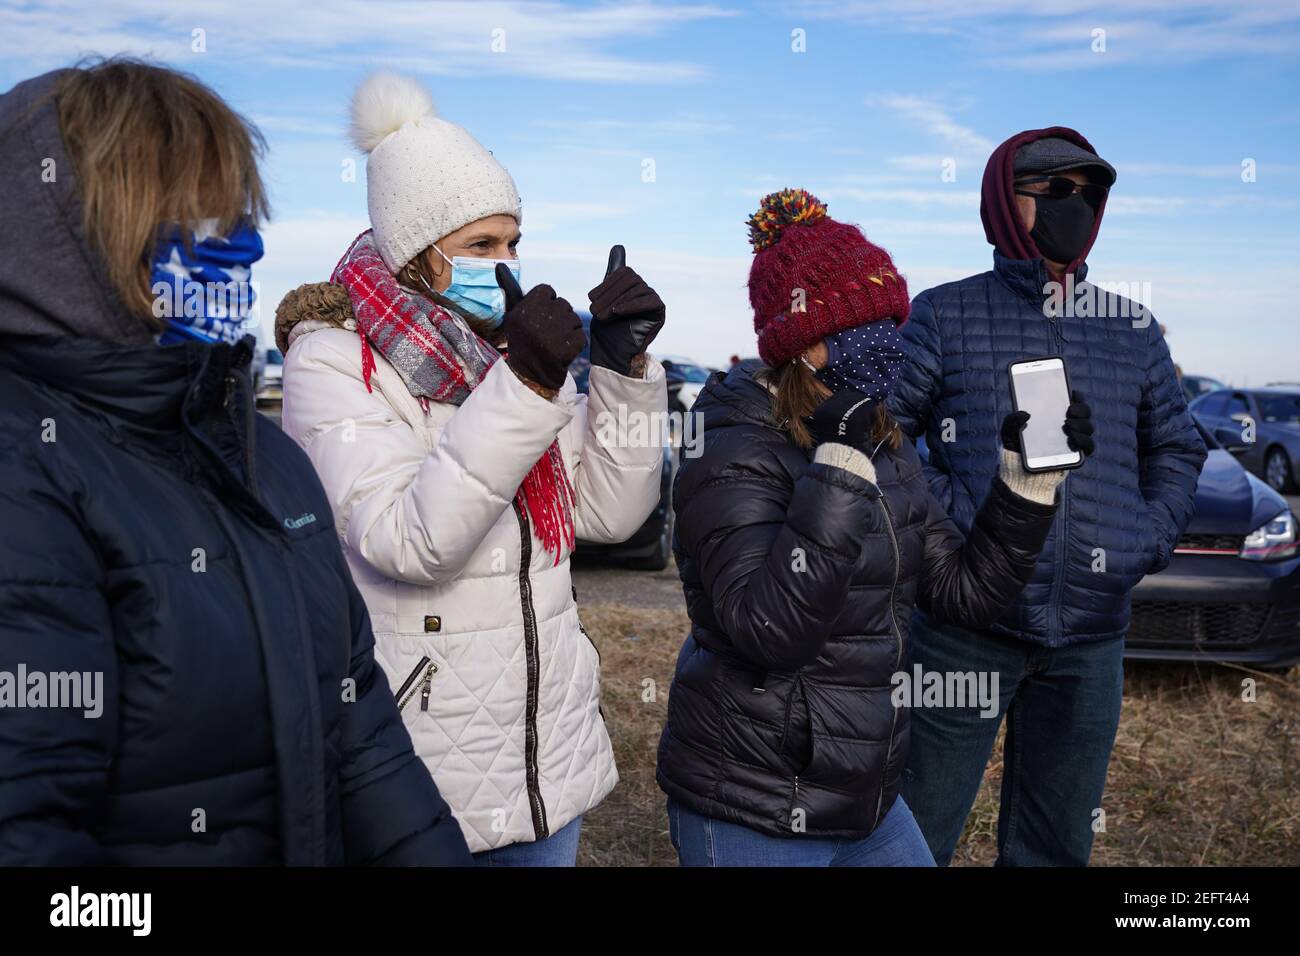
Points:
[(866, 358), (204, 293), (474, 286)]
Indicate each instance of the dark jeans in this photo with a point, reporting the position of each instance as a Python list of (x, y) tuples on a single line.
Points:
[(1062, 708)]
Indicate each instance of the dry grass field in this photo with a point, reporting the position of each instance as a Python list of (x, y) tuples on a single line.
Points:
[(1199, 777)]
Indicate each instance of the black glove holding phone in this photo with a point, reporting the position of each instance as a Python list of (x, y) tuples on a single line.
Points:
[(1078, 427)]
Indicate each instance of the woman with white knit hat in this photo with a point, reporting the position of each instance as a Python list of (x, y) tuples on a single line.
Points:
[(459, 482)]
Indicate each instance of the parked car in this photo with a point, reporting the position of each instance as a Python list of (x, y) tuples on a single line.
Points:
[(686, 379), (651, 547), (1273, 450), (268, 380), (1195, 386), (1232, 590)]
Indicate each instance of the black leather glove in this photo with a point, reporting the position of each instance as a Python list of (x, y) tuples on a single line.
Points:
[(1078, 425), (844, 418), (543, 333), (626, 315)]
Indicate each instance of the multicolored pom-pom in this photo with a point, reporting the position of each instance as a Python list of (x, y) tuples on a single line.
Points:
[(781, 209)]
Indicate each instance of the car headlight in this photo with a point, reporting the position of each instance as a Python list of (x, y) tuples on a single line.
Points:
[(1273, 541)]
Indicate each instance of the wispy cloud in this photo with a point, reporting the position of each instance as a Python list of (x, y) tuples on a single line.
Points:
[(1056, 35), (1225, 171), (548, 216), (959, 198), (936, 120), (588, 128), (547, 39)]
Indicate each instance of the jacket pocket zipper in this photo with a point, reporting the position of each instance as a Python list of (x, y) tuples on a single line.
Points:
[(795, 687), (590, 641), (898, 654), (420, 679)]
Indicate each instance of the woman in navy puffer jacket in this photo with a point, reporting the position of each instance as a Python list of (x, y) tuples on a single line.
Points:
[(186, 670)]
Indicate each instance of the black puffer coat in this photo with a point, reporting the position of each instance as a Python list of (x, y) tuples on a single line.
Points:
[(164, 541), (800, 580)]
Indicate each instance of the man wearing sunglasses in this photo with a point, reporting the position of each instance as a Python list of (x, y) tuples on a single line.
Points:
[(1057, 653)]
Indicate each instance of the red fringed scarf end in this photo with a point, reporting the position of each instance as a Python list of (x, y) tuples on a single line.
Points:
[(547, 495), (367, 360)]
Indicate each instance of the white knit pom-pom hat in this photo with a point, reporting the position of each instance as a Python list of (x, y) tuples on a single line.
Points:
[(425, 177)]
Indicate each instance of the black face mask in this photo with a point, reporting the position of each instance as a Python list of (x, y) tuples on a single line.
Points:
[(1062, 226)]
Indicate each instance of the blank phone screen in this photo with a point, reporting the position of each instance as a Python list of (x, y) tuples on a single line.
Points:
[(1044, 395)]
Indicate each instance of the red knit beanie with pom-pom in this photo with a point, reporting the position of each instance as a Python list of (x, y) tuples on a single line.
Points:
[(813, 276)]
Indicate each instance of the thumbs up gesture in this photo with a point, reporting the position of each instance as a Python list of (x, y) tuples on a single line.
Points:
[(543, 333), (626, 315)]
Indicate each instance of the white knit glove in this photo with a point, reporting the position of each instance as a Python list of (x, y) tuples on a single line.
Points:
[(1039, 486), (846, 457)]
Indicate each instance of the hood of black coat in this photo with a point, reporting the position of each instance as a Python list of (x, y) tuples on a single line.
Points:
[(733, 398), (149, 388), (51, 282)]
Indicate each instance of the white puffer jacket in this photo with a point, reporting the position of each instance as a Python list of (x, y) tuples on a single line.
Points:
[(474, 624)]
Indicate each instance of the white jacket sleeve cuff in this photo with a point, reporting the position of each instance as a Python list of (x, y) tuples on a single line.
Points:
[(622, 452)]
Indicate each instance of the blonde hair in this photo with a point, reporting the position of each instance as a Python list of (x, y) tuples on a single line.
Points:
[(152, 146)]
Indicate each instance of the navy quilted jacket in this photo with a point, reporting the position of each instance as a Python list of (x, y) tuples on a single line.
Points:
[(1122, 511)]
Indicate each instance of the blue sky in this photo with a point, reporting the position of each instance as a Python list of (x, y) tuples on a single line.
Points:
[(718, 98)]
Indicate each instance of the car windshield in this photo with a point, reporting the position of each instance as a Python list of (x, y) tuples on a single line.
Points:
[(1280, 408), (273, 357), (691, 373), (1202, 385)]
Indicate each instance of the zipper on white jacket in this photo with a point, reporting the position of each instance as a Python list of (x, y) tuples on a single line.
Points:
[(531, 653), (420, 679)]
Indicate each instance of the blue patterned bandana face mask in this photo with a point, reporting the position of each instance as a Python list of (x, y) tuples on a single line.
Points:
[(204, 292), (474, 286), (866, 358)]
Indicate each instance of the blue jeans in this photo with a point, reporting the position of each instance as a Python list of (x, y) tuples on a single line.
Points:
[(558, 849), (1062, 709), (708, 841)]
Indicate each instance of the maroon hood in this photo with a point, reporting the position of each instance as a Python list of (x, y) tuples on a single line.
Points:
[(1002, 225)]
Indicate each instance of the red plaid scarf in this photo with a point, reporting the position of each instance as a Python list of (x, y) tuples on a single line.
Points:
[(441, 360)]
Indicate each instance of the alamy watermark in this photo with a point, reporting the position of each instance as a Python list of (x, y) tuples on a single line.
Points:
[(75, 908), (71, 690), (634, 428), (1090, 300), (938, 689)]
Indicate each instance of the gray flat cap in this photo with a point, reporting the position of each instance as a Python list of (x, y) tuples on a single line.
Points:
[(1056, 155)]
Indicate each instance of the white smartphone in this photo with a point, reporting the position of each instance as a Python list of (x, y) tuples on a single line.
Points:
[(1041, 388)]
